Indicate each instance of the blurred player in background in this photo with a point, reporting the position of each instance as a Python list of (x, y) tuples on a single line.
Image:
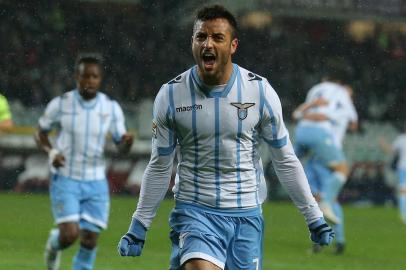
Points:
[(324, 119), (398, 149), (79, 189), (216, 112), (6, 122)]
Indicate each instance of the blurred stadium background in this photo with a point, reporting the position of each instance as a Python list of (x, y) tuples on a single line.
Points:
[(146, 43)]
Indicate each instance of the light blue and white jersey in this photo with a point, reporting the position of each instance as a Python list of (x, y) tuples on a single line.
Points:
[(399, 146), (216, 134), (335, 94), (83, 126), (344, 115)]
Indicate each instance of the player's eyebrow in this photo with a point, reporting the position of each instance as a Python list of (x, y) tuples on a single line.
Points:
[(218, 34), (204, 33)]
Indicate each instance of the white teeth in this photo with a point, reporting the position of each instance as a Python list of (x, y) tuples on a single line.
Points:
[(208, 54)]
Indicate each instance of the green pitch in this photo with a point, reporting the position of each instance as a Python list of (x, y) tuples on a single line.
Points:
[(376, 238)]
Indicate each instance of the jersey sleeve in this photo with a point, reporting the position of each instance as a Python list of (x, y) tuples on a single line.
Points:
[(117, 126), (5, 113), (272, 127), (156, 178), (163, 133), (51, 115), (312, 94), (285, 162)]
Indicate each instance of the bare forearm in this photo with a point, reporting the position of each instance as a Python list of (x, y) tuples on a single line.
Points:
[(42, 140), (315, 117), (299, 112)]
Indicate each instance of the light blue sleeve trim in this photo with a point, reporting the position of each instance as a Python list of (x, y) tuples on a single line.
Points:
[(166, 151), (277, 143)]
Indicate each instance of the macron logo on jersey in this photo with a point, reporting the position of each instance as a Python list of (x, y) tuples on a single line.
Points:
[(189, 108)]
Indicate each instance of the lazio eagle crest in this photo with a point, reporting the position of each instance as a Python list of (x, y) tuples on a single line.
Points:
[(242, 111)]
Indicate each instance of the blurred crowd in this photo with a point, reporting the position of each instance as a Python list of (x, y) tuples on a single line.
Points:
[(146, 45)]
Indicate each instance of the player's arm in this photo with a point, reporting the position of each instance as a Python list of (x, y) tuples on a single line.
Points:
[(301, 112), (156, 178), (353, 116), (123, 139), (47, 120), (6, 122), (316, 117), (289, 169)]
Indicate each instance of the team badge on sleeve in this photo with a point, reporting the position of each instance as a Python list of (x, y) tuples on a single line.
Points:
[(242, 111), (154, 129)]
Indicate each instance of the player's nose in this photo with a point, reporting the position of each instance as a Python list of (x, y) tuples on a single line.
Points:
[(208, 43)]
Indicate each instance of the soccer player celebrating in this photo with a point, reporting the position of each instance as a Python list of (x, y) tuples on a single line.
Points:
[(79, 189), (343, 117), (215, 113), (315, 133)]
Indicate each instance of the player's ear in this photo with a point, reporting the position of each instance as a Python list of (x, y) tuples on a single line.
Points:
[(234, 45)]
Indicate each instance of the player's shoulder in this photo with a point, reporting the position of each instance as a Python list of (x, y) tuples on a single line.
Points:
[(63, 97), (250, 76), (105, 97), (175, 84), (179, 79)]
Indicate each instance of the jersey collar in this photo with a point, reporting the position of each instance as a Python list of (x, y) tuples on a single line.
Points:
[(207, 91), (88, 105)]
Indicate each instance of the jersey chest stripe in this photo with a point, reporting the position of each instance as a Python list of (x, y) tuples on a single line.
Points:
[(171, 133), (269, 108), (238, 143), (72, 153), (85, 155), (217, 149), (195, 139), (99, 137), (254, 162), (261, 99), (115, 134), (59, 119), (261, 111)]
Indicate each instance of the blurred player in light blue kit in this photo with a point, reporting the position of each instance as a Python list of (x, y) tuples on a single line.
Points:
[(398, 148), (328, 103), (79, 189), (215, 113)]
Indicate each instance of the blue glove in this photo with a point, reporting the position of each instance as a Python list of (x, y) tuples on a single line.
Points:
[(321, 233), (132, 242)]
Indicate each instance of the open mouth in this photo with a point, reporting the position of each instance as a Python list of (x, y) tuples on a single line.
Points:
[(209, 59)]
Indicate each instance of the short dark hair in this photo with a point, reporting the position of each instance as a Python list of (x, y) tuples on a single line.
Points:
[(88, 60), (217, 12)]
